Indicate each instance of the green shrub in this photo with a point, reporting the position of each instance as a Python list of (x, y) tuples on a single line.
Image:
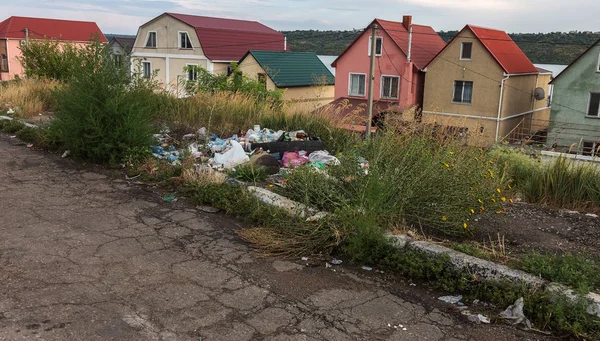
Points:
[(50, 59), (575, 271), (412, 179), (13, 126), (101, 114), (562, 182), (250, 173)]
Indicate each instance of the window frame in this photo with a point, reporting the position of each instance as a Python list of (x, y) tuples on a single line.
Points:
[(4, 63), (462, 50), (148, 38), (350, 74), (463, 92), (188, 38), (598, 65), (369, 46), (587, 112), (144, 69), (382, 87), (188, 72)]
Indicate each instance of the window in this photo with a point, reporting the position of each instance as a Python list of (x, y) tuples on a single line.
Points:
[(262, 78), (378, 46), (184, 41), (192, 72), (4, 63), (389, 86), (151, 40), (118, 59), (357, 84), (463, 92), (229, 70), (147, 69), (465, 51), (598, 67), (594, 105)]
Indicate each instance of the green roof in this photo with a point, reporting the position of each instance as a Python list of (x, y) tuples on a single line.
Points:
[(291, 69)]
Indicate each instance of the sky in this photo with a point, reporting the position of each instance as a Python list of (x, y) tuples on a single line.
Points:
[(513, 16)]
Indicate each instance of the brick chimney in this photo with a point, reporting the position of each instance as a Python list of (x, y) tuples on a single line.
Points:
[(407, 21)]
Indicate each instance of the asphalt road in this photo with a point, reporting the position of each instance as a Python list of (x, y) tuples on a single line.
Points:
[(86, 255)]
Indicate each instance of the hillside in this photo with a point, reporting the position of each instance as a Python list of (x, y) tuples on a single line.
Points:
[(544, 48)]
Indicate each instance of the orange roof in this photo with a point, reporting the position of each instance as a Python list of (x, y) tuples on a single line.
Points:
[(426, 43), (40, 28), (502, 48)]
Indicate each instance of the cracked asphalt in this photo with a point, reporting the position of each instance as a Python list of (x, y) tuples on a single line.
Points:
[(85, 255)]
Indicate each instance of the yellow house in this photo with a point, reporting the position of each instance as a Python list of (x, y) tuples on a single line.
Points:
[(165, 45), (482, 81), (307, 83)]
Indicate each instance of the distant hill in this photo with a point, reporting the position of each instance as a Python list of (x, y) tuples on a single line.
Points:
[(543, 48)]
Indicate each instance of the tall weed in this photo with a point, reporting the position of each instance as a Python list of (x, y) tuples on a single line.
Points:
[(28, 97)]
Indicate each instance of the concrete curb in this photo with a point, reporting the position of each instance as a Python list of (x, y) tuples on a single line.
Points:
[(489, 270), (292, 207), (11, 119)]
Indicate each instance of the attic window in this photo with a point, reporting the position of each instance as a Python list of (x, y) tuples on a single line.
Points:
[(378, 46), (151, 41), (184, 41), (466, 50)]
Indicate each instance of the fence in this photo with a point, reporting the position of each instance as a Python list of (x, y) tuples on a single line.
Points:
[(557, 136)]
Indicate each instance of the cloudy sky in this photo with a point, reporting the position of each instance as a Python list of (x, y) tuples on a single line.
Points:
[(125, 16)]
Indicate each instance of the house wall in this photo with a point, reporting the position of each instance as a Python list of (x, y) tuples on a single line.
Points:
[(392, 62), (167, 57), (13, 49), (220, 67), (570, 102), (447, 68), (3, 51), (306, 98)]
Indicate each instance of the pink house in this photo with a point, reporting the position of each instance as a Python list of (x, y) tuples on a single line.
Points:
[(403, 50), (17, 31)]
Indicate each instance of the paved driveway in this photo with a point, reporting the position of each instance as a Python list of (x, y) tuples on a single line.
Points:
[(85, 256)]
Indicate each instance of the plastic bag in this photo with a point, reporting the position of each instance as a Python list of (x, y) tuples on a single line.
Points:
[(233, 157), (323, 157), (293, 159)]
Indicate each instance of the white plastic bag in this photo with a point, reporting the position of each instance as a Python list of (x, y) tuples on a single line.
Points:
[(323, 157), (233, 157)]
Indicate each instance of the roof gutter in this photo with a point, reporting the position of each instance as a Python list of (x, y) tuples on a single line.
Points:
[(522, 74), (507, 76)]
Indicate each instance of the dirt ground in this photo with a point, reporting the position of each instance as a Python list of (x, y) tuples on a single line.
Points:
[(87, 255), (527, 227)]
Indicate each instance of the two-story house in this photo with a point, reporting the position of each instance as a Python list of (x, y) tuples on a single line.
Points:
[(575, 115), (120, 48), (402, 51), (483, 82), (168, 43), (16, 32)]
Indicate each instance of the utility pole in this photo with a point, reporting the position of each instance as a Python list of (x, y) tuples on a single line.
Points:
[(371, 80), (27, 36)]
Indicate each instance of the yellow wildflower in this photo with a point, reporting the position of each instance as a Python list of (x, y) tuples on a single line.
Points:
[(444, 218), (493, 200), (447, 165), (465, 225), (482, 208), (509, 186), (503, 198), (472, 211), (271, 186), (450, 153), (480, 201), (498, 190), (498, 211), (510, 200)]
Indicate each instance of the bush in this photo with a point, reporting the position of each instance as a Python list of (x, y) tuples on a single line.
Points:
[(250, 173), (102, 115), (11, 127), (562, 183), (413, 179), (50, 59)]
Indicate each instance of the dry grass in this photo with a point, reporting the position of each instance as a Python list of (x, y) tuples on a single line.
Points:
[(27, 97)]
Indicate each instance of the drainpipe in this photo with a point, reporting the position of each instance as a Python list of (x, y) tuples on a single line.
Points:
[(284, 44), (500, 106)]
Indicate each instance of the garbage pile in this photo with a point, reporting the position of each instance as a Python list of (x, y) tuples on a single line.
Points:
[(273, 150)]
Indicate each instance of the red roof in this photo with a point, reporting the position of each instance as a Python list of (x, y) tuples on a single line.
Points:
[(39, 28), (504, 50), (426, 43), (230, 39)]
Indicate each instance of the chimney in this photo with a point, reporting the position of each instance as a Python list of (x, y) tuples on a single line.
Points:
[(407, 21)]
